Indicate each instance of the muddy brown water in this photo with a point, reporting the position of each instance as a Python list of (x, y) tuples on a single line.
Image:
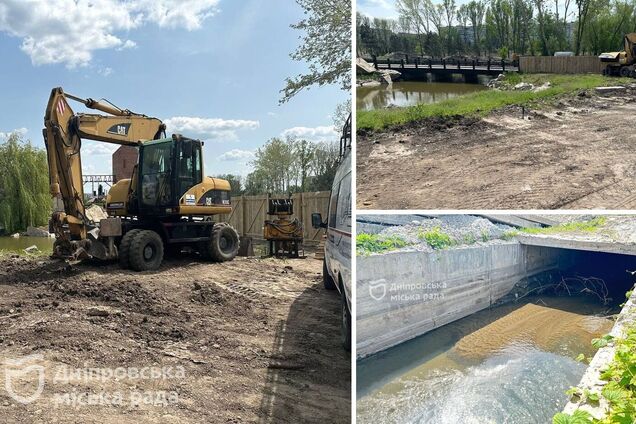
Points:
[(409, 93), (19, 244), (510, 364)]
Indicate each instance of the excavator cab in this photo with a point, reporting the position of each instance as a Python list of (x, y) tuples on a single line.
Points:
[(168, 168)]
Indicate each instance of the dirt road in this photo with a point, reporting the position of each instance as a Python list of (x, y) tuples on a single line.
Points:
[(252, 340), (576, 154)]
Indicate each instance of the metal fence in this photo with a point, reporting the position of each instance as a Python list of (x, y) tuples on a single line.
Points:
[(560, 64), (250, 212)]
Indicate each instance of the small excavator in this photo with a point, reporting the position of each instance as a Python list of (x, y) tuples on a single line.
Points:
[(167, 205), (621, 63)]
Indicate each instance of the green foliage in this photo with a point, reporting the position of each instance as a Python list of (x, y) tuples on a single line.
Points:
[(509, 235), (235, 183), (325, 47), (481, 103), (436, 238), (579, 417), (497, 27), (292, 165), (375, 243), (602, 341), (24, 185), (620, 390), (589, 226)]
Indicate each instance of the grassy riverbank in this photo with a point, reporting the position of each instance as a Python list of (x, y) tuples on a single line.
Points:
[(483, 102)]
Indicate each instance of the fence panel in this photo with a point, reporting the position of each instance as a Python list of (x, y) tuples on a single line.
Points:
[(560, 64), (250, 212)]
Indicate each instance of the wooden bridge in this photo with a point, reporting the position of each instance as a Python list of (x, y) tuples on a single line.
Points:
[(444, 69)]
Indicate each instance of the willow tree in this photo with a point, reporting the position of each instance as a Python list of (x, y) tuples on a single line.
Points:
[(24, 182)]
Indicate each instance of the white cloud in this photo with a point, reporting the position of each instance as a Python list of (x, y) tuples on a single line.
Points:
[(128, 44), (327, 133), (69, 31), (105, 71), (98, 148), (237, 155), (5, 135), (209, 128)]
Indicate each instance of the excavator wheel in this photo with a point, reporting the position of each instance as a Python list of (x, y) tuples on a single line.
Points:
[(146, 251), (223, 244), (625, 71), (124, 248)]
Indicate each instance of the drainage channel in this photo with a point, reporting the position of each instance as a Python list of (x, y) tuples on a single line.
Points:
[(482, 334)]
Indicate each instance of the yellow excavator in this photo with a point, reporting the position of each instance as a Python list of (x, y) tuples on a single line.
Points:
[(621, 63), (167, 205)]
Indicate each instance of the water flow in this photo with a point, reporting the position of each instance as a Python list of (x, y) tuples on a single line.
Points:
[(510, 364)]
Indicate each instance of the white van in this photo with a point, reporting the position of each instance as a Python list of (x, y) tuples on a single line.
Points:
[(336, 268)]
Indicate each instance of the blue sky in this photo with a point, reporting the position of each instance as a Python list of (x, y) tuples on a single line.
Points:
[(210, 69), (377, 8)]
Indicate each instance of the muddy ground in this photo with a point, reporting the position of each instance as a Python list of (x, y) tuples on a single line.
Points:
[(576, 153), (252, 340)]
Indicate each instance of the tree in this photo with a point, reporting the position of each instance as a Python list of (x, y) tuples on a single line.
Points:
[(235, 183), (583, 9), (323, 166), (24, 185), (326, 46), (476, 11)]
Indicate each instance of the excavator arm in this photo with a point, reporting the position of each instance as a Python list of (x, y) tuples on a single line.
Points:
[(63, 133)]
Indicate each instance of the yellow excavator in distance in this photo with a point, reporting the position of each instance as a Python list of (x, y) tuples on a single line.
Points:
[(621, 63), (168, 204)]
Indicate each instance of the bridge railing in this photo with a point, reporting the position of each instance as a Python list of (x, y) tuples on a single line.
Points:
[(445, 63)]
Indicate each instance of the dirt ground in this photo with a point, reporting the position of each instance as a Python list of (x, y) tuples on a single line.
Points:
[(252, 340), (576, 154)]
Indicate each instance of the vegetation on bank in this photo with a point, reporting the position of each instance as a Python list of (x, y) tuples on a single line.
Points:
[(588, 226), (483, 102), (24, 185), (436, 238), (620, 390), (376, 243)]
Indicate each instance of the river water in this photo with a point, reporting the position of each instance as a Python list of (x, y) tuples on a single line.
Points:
[(409, 93), (511, 364), (11, 244)]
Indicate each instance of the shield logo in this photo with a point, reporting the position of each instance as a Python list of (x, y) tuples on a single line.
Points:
[(16, 370), (377, 289)]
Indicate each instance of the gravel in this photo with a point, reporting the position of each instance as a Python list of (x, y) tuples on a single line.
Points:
[(462, 229)]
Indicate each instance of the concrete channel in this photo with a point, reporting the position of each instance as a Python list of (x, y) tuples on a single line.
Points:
[(404, 294)]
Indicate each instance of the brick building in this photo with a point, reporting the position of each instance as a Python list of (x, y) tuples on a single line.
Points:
[(124, 160)]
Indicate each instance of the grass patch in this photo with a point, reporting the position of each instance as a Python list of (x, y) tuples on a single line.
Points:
[(509, 235), (375, 243), (585, 226), (482, 102), (436, 238)]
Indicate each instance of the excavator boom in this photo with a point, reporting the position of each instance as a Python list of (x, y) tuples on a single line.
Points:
[(63, 133)]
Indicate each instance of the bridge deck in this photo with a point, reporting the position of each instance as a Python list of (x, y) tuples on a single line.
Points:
[(450, 67)]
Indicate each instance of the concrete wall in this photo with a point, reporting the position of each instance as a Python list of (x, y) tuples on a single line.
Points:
[(401, 295)]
